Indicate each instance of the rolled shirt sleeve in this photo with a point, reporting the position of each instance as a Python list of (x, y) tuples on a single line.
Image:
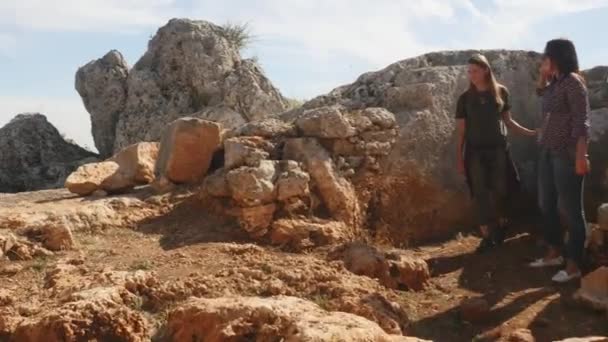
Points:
[(578, 102)]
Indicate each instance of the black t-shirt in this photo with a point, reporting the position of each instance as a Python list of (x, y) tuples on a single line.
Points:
[(484, 125)]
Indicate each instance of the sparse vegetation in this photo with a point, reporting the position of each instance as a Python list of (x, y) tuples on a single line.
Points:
[(238, 34), (322, 301), (142, 265), (40, 264), (294, 103)]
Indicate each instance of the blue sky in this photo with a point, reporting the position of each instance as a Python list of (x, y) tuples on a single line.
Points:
[(307, 47)]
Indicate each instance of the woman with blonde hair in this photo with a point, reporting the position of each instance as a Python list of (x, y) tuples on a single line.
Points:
[(483, 115)]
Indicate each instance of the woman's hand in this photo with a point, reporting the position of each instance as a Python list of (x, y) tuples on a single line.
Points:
[(583, 166)]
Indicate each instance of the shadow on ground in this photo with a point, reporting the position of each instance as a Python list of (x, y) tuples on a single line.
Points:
[(520, 297), (191, 222)]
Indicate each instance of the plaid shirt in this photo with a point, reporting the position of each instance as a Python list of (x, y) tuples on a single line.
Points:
[(565, 105)]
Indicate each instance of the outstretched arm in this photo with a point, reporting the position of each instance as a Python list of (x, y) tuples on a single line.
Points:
[(507, 118)]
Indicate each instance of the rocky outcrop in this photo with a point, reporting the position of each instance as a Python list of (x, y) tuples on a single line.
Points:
[(420, 193), (102, 84), (191, 68), (295, 183), (34, 155), (130, 167), (282, 317), (596, 183)]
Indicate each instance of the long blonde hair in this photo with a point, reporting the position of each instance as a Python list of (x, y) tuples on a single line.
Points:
[(495, 87)]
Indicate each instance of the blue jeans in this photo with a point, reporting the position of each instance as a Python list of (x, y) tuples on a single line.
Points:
[(559, 183)]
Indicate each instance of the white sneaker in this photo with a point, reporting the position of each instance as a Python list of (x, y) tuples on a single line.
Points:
[(563, 276), (547, 263)]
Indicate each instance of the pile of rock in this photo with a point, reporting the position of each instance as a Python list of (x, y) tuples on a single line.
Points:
[(294, 182)]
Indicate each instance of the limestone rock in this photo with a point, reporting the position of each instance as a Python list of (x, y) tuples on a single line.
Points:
[(256, 220), (245, 151), (94, 176), (292, 182), (305, 233), (267, 128), (137, 161), (102, 84), (216, 185), (597, 84), (337, 193), (226, 117), (34, 155), (6, 297), (594, 289), (286, 318), (520, 335), (394, 269), (186, 150), (191, 68), (596, 183), (252, 186), (95, 314), (325, 122), (55, 235)]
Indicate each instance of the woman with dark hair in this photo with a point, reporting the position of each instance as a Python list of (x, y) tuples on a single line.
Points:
[(563, 160), (482, 113)]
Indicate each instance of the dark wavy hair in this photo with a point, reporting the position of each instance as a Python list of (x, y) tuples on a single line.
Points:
[(562, 53)]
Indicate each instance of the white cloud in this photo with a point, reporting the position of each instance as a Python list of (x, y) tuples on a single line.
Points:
[(67, 114), (508, 22), (87, 15), (376, 32)]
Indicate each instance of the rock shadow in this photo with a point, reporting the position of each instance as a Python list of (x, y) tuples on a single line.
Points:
[(191, 222)]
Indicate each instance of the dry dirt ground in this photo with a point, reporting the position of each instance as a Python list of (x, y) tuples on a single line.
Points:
[(197, 254)]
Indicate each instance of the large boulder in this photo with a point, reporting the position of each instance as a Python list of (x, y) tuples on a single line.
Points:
[(267, 319), (420, 194), (596, 183), (186, 150), (102, 84), (34, 155), (597, 82), (191, 68)]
